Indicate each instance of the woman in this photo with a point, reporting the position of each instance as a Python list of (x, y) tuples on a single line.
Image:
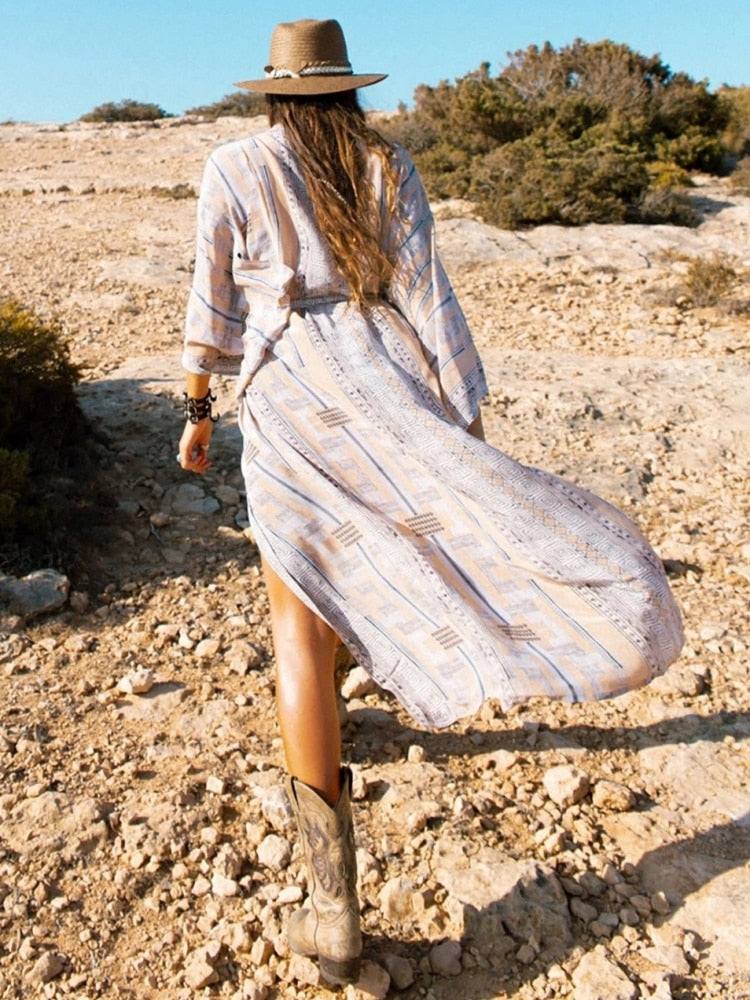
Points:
[(450, 571)]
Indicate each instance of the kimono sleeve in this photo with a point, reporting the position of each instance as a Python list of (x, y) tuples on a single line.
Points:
[(421, 291), (216, 307)]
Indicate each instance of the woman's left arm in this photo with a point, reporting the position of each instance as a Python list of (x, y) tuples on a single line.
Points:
[(196, 435)]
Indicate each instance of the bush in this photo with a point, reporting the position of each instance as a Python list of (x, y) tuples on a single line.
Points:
[(665, 205), (736, 136), (178, 192), (710, 279), (546, 179), (566, 136), (245, 104), (740, 178), (40, 426), (125, 111)]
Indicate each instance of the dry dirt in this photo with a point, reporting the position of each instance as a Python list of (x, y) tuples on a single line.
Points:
[(145, 850)]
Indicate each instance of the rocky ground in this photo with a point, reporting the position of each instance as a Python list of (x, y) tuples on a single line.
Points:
[(596, 851)]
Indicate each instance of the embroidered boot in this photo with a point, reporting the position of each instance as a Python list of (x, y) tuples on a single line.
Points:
[(329, 926)]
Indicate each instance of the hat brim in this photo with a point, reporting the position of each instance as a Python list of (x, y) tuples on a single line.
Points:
[(309, 85)]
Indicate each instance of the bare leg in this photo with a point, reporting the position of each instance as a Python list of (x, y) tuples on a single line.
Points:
[(304, 646)]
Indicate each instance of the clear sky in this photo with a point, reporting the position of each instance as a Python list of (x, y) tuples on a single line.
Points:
[(61, 58)]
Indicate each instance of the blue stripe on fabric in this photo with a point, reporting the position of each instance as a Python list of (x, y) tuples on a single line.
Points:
[(229, 188), (216, 312), (360, 446), (577, 627), (306, 557)]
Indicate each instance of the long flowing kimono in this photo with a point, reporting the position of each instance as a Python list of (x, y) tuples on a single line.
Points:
[(452, 572)]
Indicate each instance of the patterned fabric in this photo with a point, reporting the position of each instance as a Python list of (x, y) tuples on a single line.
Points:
[(452, 572)]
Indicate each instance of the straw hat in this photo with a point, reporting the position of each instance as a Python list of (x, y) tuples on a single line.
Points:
[(309, 57)]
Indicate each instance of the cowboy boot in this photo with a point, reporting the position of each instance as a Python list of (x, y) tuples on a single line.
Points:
[(329, 926)]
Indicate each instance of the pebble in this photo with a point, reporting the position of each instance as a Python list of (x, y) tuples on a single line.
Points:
[(596, 977), (223, 887), (46, 968), (139, 681), (274, 852), (397, 899), (566, 784), (400, 970), (373, 984), (199, 972), (357, 684), (612, 796)]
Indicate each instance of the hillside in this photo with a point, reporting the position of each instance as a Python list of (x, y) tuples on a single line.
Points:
[(145, 849)]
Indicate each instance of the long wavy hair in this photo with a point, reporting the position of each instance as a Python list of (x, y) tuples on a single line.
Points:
[(331, 140)]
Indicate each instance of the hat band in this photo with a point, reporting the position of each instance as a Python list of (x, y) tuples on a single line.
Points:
[(280, 72)]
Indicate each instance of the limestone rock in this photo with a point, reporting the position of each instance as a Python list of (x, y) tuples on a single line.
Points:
[(445, 958), (138, 681), (46, 968), (566, 784), (373, 983), (499, 895), (399, 969), (612, 796), (54, 822), (37, 593), (597, 977), (274, 852)]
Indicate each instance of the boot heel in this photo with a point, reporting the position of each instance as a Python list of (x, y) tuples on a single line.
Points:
[(340, 973)]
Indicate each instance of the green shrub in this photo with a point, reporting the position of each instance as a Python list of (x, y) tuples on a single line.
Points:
[(41, 426), (242, 104), (736, 136), (546, 179), (125, 111), (566, 136)]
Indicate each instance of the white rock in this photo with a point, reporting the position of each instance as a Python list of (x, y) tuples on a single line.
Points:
[(357, 684), (566, 784), (373, 984), (489, 892), (274, 852), (201, 886), (207, 649), (277, 809), (243, 656), (138, 681), (198, 973), (223, 887), (304, 970), (613, 796), (228, 861), (290, 894), (598, 978)]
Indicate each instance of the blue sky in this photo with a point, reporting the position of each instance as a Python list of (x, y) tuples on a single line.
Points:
[(61, 58)]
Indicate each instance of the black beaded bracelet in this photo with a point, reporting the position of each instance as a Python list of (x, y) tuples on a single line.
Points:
[(198, 409)]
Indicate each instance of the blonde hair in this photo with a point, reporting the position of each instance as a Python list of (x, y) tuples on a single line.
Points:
[(331, 140)]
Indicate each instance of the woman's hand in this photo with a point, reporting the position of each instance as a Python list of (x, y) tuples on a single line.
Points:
[(193, 454)]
